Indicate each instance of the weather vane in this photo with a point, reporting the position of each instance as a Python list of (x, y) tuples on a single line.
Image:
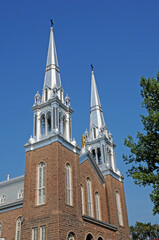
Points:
[(51, 22), (92, 67)]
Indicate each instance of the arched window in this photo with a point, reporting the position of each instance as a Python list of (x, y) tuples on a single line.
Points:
[(35, 125), (97, 206), (42, 124), (71, 236), (46, 94), (100, 238), (35, 233), (68, 185), (2, 199), (82, 199), (94, 132), (89, 237), (18, 228), (119, 209), (94, 153), (89, 197), (99, 156), (0, 229), (20, 194), (41, 184), (43, 233), (48, 117)]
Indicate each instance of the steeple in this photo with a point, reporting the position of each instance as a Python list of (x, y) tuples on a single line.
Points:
[(52, 113), (96, 113), (52, 73), (98, 141)]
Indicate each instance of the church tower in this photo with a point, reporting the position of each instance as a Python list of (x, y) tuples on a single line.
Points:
[(52, 113), (98, 141), (52, 189)]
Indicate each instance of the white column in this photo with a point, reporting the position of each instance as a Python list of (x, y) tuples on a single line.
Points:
[(55, 117), (67, 127), (38, 126), (102, 154), (61, 120), (112, 159), (51, 119)]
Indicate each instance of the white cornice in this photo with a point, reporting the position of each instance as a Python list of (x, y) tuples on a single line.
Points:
[(50, 102), (115, 175), (12, 181), (51, 139), (11, 206), (88, 156)]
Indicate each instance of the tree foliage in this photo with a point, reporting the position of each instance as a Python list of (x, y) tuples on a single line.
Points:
[(144, 231), (144, 157)]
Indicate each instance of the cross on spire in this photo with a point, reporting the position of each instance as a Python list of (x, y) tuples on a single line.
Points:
[(92, 67), (51, 22)]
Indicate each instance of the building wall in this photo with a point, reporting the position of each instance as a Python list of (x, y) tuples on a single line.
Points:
[(113, 186), (86, 171), (55, 213), (8, 220), (60, 218)]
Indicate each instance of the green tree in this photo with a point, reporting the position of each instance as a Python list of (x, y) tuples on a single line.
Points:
[(144, 157), (144, 231)]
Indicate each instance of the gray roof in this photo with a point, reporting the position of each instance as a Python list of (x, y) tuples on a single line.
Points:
[(11, 193)]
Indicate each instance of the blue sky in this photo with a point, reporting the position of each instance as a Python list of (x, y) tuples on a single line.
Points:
[(121, 40)]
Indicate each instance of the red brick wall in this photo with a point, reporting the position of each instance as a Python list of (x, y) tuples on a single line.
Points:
[(58, 217), (86, 170), (113, 186), (55, 157), (8, 220)]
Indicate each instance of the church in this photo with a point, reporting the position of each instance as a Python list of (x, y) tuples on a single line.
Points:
[(67, 192)]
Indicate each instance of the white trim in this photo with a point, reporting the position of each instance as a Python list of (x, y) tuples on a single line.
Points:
[(18, 229), (43, 233), (41, 183), (118, 202), (98, 215), (68, 184), (35, 233), (82, 200), (49, 139), (89, 198)]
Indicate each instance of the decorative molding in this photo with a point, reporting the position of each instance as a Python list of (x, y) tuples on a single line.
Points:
[(12, 181), (115, 175), (88, 156), (99, 223), (51, 139), (11, 206)]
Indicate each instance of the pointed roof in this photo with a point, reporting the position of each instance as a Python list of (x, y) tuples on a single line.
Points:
[(96, 113), (52, 73)]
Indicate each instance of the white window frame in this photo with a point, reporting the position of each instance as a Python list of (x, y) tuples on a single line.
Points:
[(98, 216), (3, 199), (89, 198), (120, 217), (68, 185), (43, 233), (41, 183), (35, 233), (82, 199), (20, 194), (18, 228)]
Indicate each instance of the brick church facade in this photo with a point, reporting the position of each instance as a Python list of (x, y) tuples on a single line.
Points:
[(67, 192)]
